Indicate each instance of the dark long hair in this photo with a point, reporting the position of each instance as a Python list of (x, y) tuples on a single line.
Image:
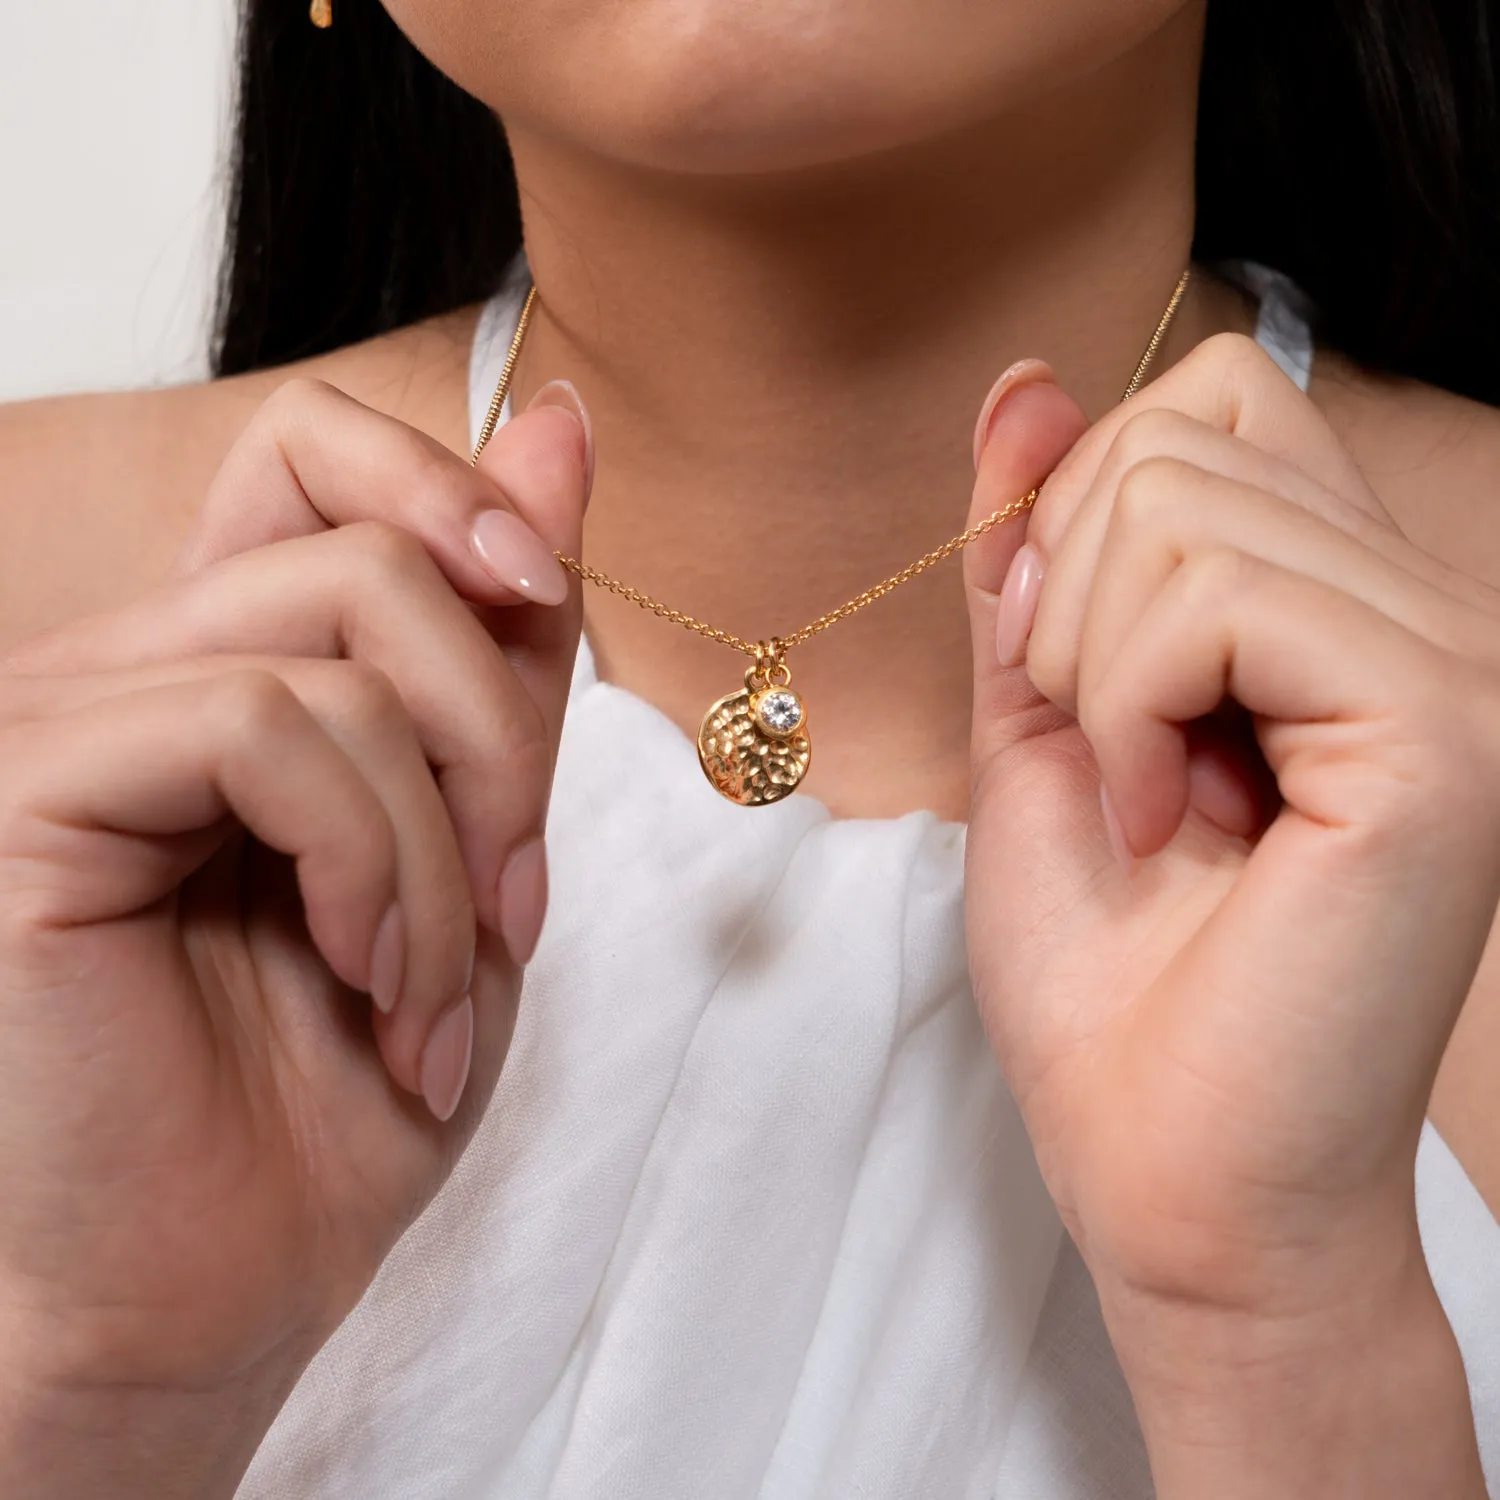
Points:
[(1354, 144)]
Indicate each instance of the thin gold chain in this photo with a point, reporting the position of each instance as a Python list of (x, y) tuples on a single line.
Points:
[(1139, 378), (777, 646)]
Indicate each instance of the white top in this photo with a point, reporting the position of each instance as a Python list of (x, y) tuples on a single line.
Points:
[(752, 1215)]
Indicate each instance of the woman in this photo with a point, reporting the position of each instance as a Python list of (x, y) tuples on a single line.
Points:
[(1207, 769)]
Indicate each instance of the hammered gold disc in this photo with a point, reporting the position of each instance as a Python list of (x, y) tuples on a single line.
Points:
[(743, 761)]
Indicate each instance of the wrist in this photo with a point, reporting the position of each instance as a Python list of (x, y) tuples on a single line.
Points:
[(72, 1432), (127, 1444), (1364, 1395)]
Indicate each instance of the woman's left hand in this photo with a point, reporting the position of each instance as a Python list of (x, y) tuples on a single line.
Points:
[(1222, 1016)]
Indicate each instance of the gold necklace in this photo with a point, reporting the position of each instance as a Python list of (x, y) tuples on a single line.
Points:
[(753, 745)]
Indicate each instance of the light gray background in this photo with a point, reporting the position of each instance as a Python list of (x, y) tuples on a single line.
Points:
[(113, 117)]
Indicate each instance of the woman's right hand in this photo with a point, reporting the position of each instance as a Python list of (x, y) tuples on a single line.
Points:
[(307, 776)]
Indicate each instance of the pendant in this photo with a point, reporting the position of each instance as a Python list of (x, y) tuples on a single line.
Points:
[(753, 745)]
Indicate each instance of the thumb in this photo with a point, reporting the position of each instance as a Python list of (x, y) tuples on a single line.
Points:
[(1028, 426), (1035, 837), (542, 462)]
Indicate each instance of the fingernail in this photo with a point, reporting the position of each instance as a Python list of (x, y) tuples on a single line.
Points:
[(523, 899), (388, 961), (1023, 372), (516, 557), (564, 393), (445, 1061), (1019, 596), (1113, 831)]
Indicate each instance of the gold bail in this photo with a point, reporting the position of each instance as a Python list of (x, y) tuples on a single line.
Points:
[(770, 659), (321, 14)]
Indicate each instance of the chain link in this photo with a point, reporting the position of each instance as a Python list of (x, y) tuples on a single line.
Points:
[(937, 555), (774, 649)]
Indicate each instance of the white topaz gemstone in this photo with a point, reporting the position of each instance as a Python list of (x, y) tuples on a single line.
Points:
[(779, 711)]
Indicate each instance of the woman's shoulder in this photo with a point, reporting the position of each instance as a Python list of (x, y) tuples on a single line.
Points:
[(98, 492)]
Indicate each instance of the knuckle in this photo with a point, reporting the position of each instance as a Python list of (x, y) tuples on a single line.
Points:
[(253, 703), (33, 916), (1210, 577), (438, 481), (514, 727), (1148, 432), (1231, 354), (367, 699), (285, 410), (510, 716), (292, 398), (529, 767), (1150, 486), (515, 760), (388, 555)]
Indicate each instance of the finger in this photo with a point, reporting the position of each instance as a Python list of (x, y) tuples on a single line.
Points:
[(548, 491), (425, 952), (314, 458), (1070, 538), (1034, 424), (1167, 510), (1231, 384), (424, 955), (372, 594), (106, 809), (1028, 761), (1383, 748), (1335, 685)]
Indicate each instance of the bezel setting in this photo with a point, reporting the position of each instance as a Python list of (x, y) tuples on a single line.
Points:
[(778, 712)]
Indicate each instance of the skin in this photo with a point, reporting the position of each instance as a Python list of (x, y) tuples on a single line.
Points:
[(1231, 1142), (802, 171)]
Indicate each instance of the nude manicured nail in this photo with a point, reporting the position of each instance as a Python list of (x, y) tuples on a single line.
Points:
[(1019, 596), (388, 961), (517, 557), (1113, 830), (445, 1060), (564, 393), (523, 899), (1023, 372)]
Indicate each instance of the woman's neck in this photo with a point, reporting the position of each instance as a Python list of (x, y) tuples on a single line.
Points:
[(784, 377)]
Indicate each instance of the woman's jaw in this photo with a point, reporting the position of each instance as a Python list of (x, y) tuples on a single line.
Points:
[(726, 88)]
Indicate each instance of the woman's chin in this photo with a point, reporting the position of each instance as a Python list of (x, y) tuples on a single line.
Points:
[(758, 86), (751, 117)]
